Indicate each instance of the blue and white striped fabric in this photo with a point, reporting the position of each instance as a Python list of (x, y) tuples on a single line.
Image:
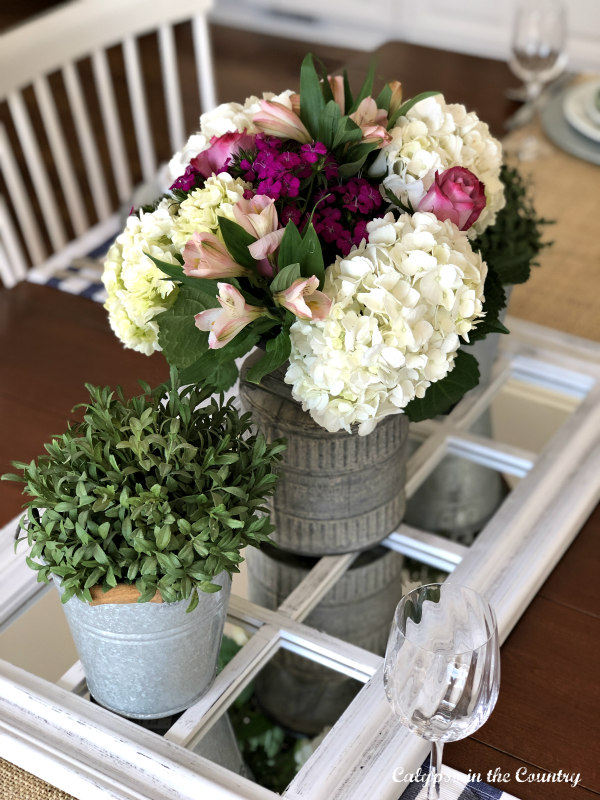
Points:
[(461, 788), (82, 277)]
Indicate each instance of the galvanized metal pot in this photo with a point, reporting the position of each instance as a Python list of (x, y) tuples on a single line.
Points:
[(337, 493), (300, 694), (149, 660)]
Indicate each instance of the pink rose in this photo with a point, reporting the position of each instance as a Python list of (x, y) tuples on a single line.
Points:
[(216, 158), (457, 195)]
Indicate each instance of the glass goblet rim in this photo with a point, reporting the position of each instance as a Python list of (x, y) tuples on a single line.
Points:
[(486, 605)]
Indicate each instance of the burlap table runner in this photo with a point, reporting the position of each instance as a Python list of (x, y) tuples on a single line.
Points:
[(16, 784), (564, 291)]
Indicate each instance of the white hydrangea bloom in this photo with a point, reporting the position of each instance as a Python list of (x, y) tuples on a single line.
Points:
[(136, 288), (199, 212), (435, 135), (137, 291), (400, 304)]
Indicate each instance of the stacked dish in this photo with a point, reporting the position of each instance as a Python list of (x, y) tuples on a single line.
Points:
[(571, 119)]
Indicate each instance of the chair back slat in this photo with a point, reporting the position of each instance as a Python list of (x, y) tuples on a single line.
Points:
[(170, 76), (13, 266), (20, 201), (82, 121), (112, 126), (75, 29), (87, 142), (204, 63), (37, 170), (60, 154), (139, 108)]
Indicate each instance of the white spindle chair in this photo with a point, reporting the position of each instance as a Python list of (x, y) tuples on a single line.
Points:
[(72, 147)]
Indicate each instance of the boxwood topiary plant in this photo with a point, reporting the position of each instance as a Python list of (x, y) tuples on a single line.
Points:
[(161, 491)]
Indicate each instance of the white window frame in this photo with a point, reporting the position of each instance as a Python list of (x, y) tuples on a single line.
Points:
[(51, 730)]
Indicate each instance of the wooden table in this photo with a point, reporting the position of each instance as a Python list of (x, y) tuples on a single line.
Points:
[(547, 716)]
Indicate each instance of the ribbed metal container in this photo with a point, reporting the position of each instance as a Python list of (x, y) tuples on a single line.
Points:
[(300, 694), (337, 493), (149, 660)]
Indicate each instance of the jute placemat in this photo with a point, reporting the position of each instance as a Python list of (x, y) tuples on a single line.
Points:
[(564, 291), (16, 784)]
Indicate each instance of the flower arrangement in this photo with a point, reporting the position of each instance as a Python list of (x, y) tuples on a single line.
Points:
[(342, 234)]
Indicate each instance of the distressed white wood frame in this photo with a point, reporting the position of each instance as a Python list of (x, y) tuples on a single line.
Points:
[(51, 730)]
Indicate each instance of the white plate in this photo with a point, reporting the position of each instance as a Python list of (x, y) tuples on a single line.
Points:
[(576, 105), (565, 136)]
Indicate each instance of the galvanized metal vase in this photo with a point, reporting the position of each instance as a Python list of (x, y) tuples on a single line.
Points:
[(337, 493), (300, 694), (149, 660)]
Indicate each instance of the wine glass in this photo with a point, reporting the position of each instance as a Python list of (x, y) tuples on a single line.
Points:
[(442, 668), (538, 56)]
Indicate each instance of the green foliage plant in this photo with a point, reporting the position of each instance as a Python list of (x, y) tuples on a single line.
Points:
[(161, 491), (512, 245)]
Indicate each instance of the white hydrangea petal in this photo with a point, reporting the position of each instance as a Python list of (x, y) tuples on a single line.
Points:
[(397, 313), (434, 136)]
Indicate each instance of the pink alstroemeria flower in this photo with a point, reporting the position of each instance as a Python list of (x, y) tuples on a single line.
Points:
[(258, 216), (396, 98), (224, 323), (372, 121), (216, 157), (303, 299), (278, 120), (336, 82), (205, 256)]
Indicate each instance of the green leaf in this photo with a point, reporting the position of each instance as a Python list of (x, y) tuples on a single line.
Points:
[(396, 201), (163, 538), (173, 271), (193, 602), (366, 89), (348, 97), (237, 240), (278, 352), (405, 107), (100, 555), (311, 255), (217, 368), (209, 588), (180, 339), (328, 124), (312, 102), (384, 97), (442, 395), (512, 244), (285, 278), (357, 155), (495, 302), (290, 246), (347, 131)]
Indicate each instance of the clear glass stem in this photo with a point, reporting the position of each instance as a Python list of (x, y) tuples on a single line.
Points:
[(435, 771)]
